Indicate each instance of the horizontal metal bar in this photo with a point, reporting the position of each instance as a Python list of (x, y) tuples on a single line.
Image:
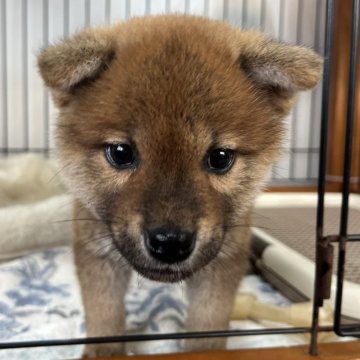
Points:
[(349, 330), (152, 337), (337, 238), (298, 182), (301, 150), (19, 151)]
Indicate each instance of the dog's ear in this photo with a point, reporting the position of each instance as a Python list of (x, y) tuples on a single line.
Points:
[(281, 67), (75, 61)]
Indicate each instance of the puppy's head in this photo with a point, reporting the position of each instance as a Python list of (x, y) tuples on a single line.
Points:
[(168, 126)]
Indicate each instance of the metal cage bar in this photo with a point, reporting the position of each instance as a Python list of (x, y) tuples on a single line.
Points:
[(153, 337), (317, 301), (324, 249), (343, 231)]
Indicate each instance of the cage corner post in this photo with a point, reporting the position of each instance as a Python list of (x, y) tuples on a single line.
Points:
[(321, 242)]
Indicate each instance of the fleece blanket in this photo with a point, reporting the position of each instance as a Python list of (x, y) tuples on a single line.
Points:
[(40, 299)]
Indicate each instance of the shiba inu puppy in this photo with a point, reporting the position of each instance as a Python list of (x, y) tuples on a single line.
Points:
[(168, 126)]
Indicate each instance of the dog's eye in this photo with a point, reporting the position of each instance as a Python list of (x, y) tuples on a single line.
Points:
[(220, 160), (121, 156)]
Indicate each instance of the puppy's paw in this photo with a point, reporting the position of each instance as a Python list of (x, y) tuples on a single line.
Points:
[(204, 344), (97, 350)]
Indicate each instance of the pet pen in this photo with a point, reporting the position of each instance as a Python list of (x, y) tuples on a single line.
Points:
[(27, 112)]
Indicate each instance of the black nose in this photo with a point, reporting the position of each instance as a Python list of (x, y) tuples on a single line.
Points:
[(169, 245)]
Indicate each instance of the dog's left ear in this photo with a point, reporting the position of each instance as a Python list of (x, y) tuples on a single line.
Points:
[(75, 62), (278, 66)]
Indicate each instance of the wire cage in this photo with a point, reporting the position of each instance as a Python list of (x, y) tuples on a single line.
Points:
[(309, 155), (324, 249)]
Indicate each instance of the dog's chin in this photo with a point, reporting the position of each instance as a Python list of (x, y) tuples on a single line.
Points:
[(167, 274)]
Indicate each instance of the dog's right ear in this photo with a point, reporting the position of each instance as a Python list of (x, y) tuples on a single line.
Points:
[(75, 61)]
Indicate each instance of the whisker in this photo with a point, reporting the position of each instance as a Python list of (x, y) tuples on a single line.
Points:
[(246, 226), (81, 219), (57, 173)]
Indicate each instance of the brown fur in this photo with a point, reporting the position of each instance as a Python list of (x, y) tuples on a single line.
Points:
[(174, 86)]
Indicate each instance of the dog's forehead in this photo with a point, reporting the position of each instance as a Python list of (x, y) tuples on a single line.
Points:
[(176, 68), (177, 82)]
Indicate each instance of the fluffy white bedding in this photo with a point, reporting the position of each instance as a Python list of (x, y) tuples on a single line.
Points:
[(33, 206)]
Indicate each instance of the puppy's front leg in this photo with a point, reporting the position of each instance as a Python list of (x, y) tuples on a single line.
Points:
[(211, 298), (103, 285)]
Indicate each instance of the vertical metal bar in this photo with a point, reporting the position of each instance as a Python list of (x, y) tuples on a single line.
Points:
[(244, 17), (293, 157), (281, 20), (206, 7), (262, 15), (281, 25), (329, 24), (108, 11), (167, 6), (349, 121), (46, 93), (127, 9), (148, 7), (24, 24), (66, 18), (87, 13), (5, 78), (187, 7), (347, 164), (311, 154), (226, 10)]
